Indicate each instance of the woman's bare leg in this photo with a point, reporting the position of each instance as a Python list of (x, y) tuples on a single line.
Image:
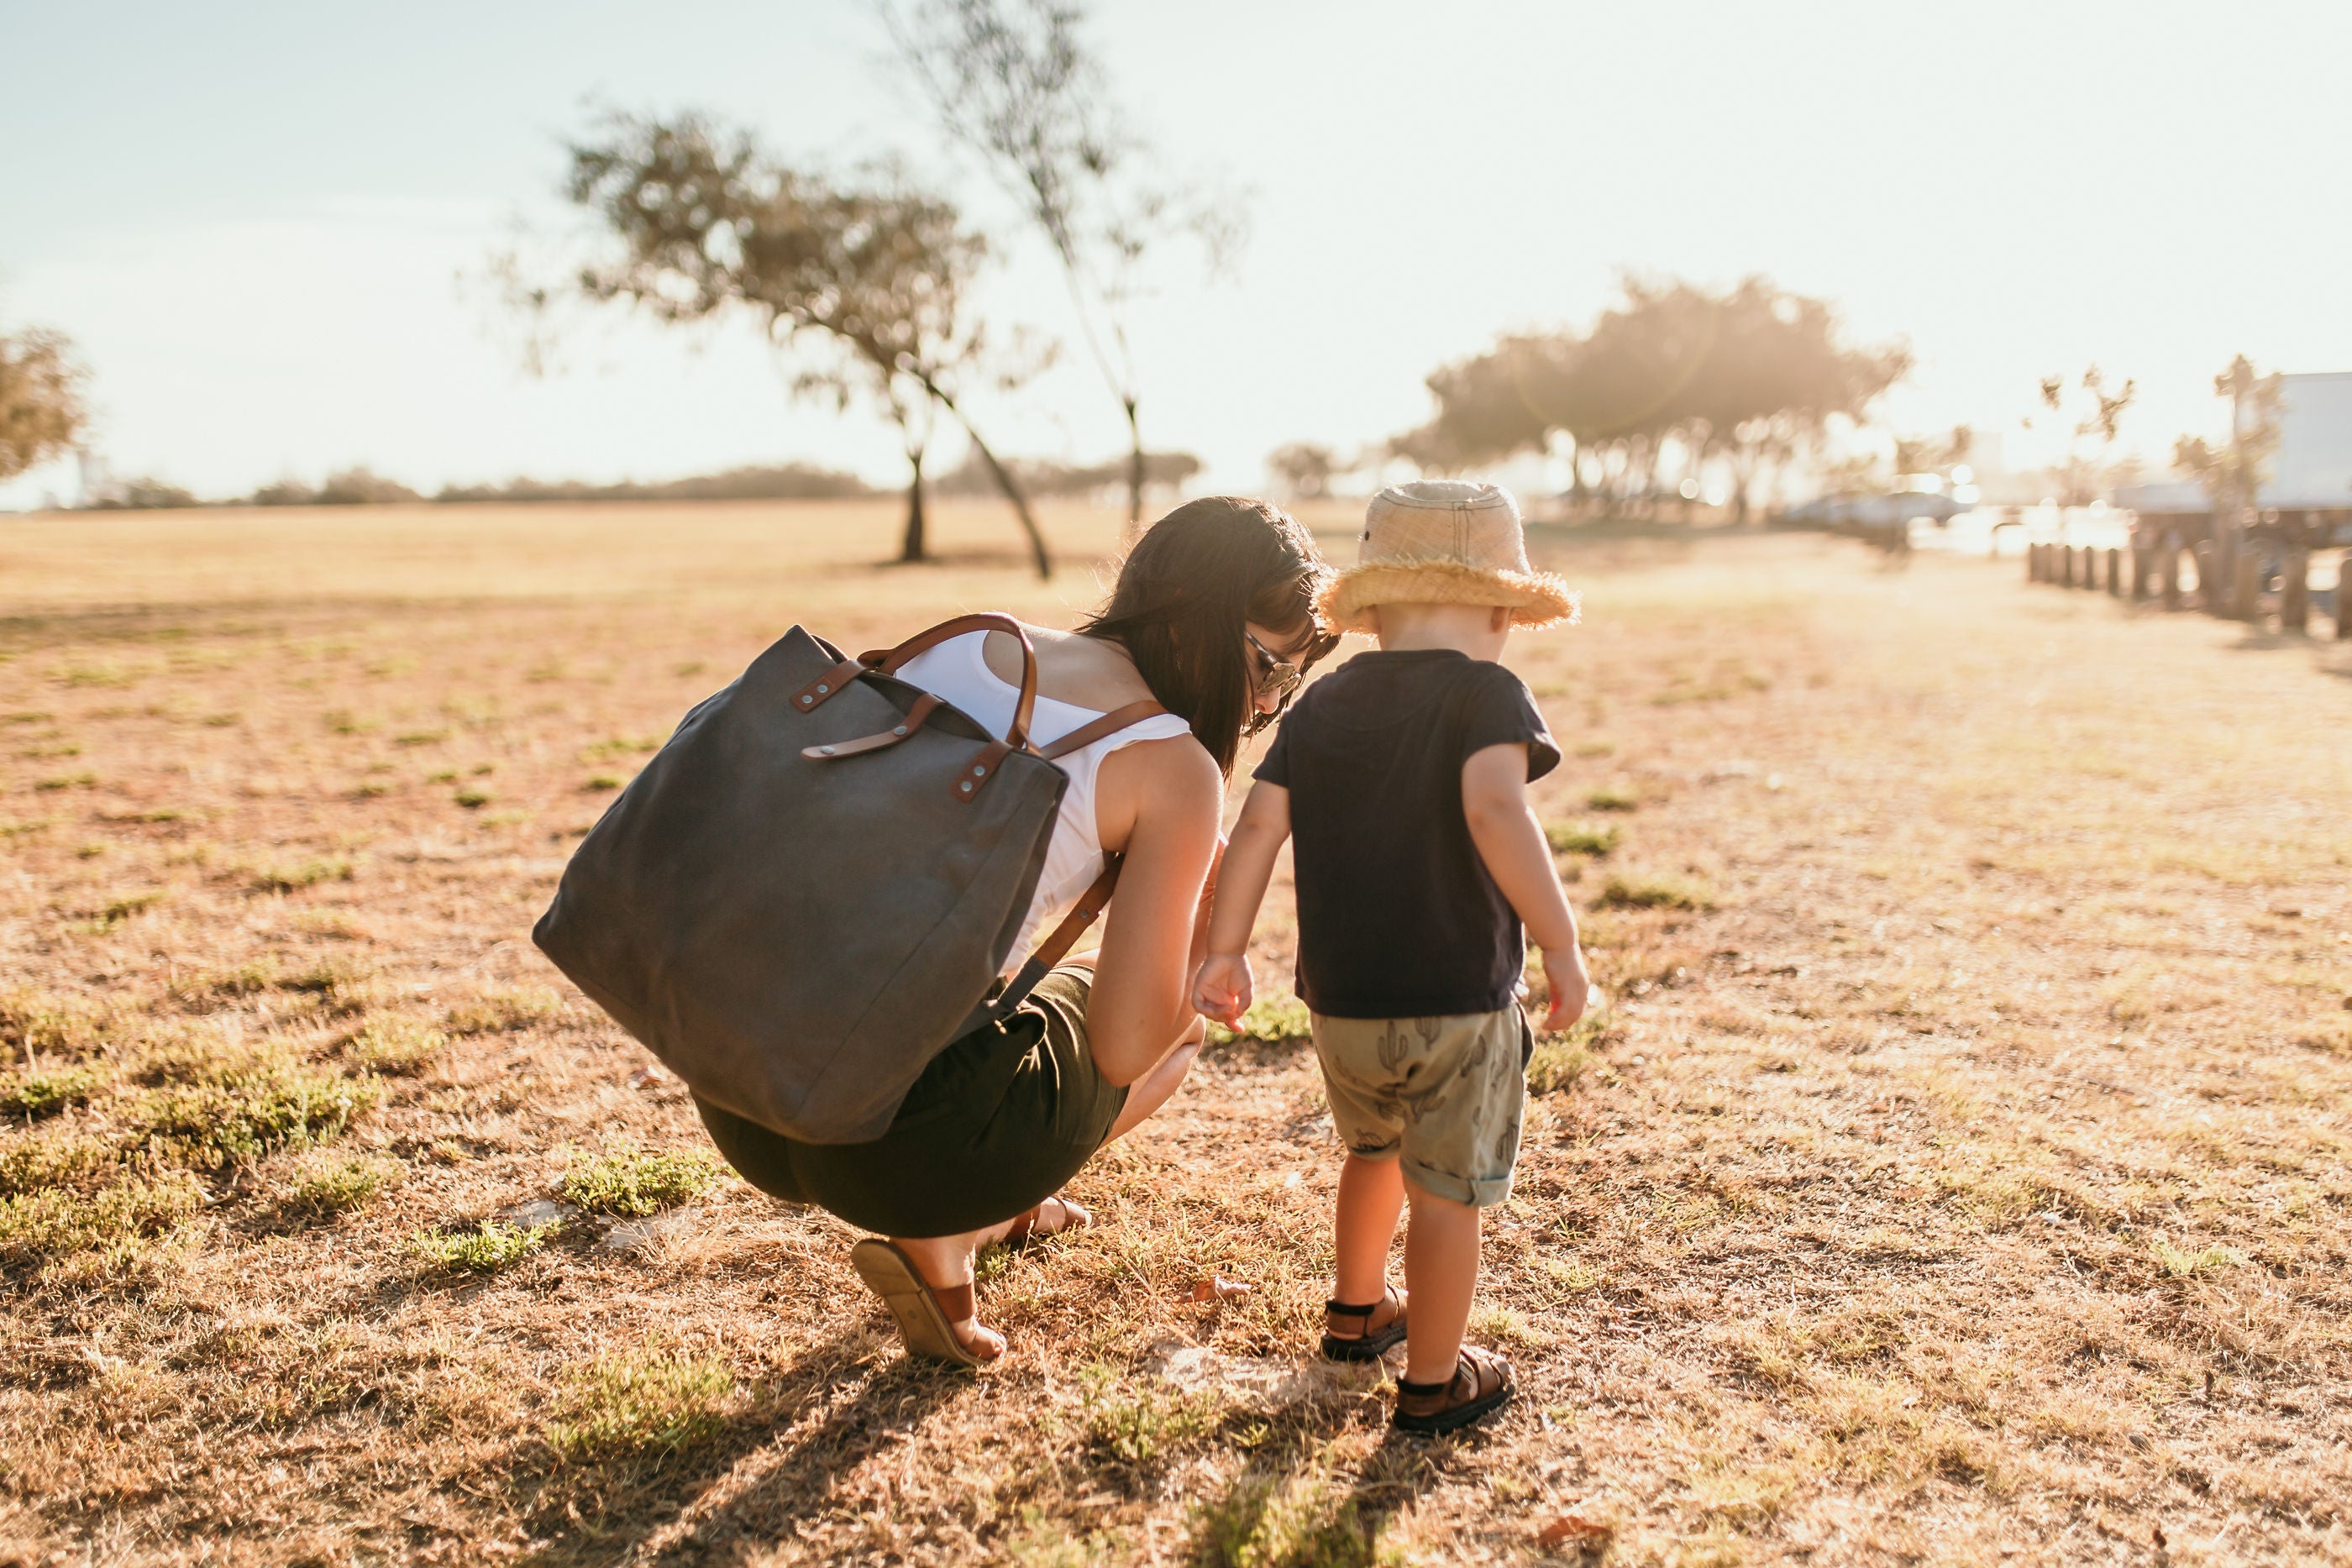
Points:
[(1151, 1090), (946, 1260)]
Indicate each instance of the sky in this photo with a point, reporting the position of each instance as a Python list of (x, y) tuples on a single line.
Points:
[(267, 226)]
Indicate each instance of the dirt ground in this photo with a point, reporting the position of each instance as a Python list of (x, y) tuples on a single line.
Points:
[(1959, 1173)]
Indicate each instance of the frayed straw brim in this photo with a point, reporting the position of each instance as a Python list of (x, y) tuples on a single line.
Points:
[(1536, 599)]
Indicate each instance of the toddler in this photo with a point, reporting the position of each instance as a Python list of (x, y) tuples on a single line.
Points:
[(1421, 871)]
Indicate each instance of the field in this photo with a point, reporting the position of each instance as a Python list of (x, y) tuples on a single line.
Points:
[(1959, 1173)]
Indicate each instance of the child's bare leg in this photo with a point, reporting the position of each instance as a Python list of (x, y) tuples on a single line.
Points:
[(1372, 1196), (1440, 1268)]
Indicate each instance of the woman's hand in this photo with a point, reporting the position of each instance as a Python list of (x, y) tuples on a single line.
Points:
[(1225, 987)]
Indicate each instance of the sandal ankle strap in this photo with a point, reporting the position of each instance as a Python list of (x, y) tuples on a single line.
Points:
[(956, 1301)]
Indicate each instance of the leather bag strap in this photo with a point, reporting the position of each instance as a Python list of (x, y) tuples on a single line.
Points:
[(886, 662), (1111, 723)]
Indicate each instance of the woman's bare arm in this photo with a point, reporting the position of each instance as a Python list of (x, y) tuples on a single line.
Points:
[(1224, 987), (1161, 801)]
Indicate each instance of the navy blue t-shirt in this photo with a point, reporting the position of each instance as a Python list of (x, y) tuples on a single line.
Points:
[(1396, 914)]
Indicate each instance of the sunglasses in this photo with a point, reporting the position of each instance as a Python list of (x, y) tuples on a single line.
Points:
[(1282, 676)]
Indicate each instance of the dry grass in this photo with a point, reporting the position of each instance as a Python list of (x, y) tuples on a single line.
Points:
[(1959, 1172)]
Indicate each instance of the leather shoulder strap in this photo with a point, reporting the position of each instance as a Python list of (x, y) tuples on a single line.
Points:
[(1110, 724)]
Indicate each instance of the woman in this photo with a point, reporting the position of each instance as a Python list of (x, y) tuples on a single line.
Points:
[(1213, 618)]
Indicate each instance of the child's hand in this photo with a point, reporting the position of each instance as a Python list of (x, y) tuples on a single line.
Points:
[(1571, 987), (1223, 990)]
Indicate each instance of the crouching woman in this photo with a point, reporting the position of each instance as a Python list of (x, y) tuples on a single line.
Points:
[(1212, 617)]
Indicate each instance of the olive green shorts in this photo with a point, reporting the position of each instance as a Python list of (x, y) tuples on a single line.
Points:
[(996, 1124), (1443, 1094)]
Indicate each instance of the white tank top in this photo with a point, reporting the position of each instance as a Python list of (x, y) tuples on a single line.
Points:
[(957, 671)]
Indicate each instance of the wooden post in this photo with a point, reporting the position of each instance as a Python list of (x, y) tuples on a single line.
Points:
[(2209, 593), (2344, 598), (2245, 598), (2065, 566), (2115, 574), (2139, 589), (2294, 592), (2168, 575), (2032, 561), (2088, 578)]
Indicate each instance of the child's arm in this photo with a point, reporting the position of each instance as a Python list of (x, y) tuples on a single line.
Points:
[(1511, 841), (1223, 988)]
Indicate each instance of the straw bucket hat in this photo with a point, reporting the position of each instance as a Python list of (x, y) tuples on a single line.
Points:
[(1445, 541)]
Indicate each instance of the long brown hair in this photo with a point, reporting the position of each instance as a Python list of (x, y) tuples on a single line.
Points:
[(1186, 591)]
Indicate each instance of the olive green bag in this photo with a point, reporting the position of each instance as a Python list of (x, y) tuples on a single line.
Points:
[(813, 887)]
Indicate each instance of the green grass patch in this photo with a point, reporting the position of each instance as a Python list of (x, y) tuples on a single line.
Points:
[(501, 1012), (472, 798), (110, 916), (651, 1402), (604, 781), (1659, 891), (342, 721), (48, 1225), (40, 1093), (65, 781), (393, 1047), (1305, 1519), (421, 737), (1272, 1019), (1612, 800), (2184, 1265), (482, 1251), (628, 1181), (217, 1110), (1582, 838), (619, 746), (339, 1184), (296, 875), (1136, 1423)]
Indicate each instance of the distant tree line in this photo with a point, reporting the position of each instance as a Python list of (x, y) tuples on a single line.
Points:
[(363, 487), (1671, 383)]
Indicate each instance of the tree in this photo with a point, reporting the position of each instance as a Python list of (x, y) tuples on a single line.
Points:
[(2232, 475), (1743, 378), (873, 276), (1303, 467), (2084, 472), (42, 414), (1013, 82)]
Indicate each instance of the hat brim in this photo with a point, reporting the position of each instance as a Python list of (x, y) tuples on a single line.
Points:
[(1536, 599)]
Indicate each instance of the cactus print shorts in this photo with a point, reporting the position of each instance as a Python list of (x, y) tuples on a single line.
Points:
[(1444, 1095)]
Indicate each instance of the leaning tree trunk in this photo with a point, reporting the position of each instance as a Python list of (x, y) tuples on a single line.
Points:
[(1005, 482), (1134, 473), (915, 547)]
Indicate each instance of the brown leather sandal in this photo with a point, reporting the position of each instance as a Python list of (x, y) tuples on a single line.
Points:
[(1481, 1384), (1373, 1334), (927, 1314), (1030, 1225)]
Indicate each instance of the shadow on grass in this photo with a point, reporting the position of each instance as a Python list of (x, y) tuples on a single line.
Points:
[(1299, 1509), (607, 1507)]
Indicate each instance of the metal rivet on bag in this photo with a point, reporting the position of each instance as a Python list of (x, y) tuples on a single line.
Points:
[(980, 772), (965, 786), (900, 730), (824, 751), (822, 690)]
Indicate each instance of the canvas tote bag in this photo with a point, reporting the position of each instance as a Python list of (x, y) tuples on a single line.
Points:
[(813, 887)]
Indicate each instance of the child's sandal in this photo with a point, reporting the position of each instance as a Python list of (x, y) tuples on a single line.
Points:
[(1370, 1338), (1481, 1384)]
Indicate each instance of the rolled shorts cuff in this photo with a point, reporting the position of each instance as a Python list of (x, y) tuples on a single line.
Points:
[(1474, 1192)]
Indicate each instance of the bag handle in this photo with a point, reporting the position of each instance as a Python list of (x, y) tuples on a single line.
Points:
[(886, 662)]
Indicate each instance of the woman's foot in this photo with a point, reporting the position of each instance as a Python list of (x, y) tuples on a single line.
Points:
[(1481, 1384), (1051, 1218), (1363, 1334), (938, 1321)]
